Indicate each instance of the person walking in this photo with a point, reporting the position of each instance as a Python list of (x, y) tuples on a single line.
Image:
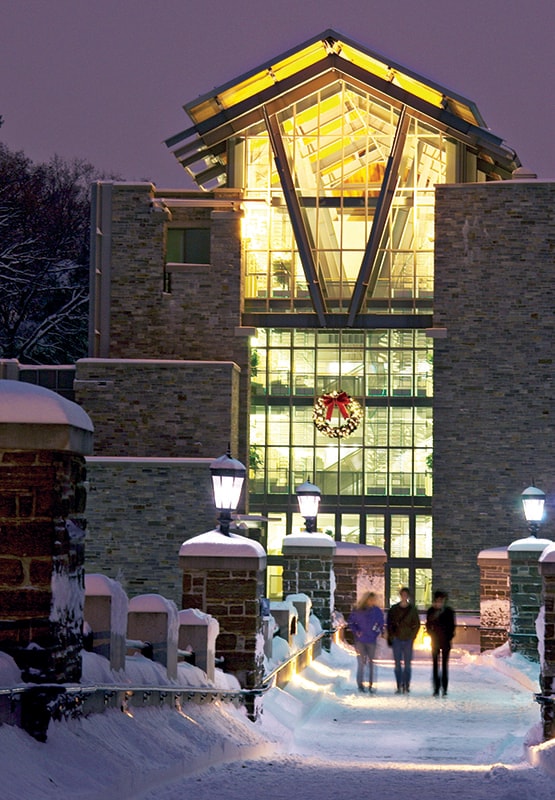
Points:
[(366, 622), (440, 625), (403, 624)]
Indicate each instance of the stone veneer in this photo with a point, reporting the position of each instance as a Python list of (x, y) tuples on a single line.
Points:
[(153, 407), (308, 569), (494, 368), (139, 513), (526, 592), (200, 318), (546, 568)]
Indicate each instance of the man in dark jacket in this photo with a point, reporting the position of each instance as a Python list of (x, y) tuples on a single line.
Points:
[(403, 623), (440, 625)]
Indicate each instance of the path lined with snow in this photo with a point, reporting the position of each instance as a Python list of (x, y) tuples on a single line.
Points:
[(469, 745)]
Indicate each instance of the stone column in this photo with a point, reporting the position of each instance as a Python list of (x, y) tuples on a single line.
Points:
[(495, 597), (358, 568), (43, 438), (308, 568), (224, 576), (545, 626), (526, 588)]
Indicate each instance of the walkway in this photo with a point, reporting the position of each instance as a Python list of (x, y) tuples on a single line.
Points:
[(344, 744)]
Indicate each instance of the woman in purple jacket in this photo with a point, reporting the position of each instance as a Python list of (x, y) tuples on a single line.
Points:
[(366, 623)]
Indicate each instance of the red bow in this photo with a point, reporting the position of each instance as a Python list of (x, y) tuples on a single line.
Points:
[(340, 399)]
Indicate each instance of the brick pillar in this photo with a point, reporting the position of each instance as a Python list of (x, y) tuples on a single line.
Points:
[(308, 568), (495, 597), (546, 641), (526, 588), (224, 576), (43, 439), (358, 568)]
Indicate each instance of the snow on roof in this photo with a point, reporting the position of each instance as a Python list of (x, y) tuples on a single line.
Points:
[(26, 403), (548, 555), (215, 543), (530, 543)]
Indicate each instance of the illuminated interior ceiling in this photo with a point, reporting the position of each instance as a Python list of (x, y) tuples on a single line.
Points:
[(231, 108)]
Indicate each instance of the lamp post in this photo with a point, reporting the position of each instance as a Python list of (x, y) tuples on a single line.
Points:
[(533, 500), (228, 476), (309, 499)]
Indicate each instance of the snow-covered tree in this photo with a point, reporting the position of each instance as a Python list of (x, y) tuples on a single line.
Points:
[(44, 247)]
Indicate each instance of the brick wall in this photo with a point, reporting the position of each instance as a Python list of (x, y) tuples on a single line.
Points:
[(41, 551), (494, 372)]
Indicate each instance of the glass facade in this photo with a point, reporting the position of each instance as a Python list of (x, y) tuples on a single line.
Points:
[(337, 155)]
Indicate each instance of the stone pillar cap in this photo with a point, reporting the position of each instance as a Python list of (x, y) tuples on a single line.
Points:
[(213, 543), (35, 418), (529, 543), (357, 549), (501, 553), (305, 539)]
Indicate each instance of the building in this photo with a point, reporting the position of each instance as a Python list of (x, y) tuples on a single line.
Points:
[(347, 251)]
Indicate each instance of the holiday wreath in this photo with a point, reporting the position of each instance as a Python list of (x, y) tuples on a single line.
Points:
[(349, 411)]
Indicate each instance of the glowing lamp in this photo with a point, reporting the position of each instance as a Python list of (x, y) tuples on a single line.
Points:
[(309, 500), (533, 501), (228, 476)]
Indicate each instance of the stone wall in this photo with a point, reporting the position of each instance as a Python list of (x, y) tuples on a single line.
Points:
[(160, 408), (200, 318), (495, 597), (494, 370), (139, 513)]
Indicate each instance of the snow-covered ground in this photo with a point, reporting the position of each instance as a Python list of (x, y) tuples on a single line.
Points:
[(318, 738)]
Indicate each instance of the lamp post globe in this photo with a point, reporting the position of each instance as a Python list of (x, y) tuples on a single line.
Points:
[(228, 475), (533, 501), (309, 500)]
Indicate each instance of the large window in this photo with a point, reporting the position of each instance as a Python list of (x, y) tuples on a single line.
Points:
[(188, 246), (376, 484)]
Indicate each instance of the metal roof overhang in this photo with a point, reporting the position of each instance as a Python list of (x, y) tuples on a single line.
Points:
[(214, 132)]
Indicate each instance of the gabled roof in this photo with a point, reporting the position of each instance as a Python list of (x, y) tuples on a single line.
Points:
[(232, 107)]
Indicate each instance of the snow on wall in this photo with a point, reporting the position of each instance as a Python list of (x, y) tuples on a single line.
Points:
[(213, 543), (97, 585), (495, 613), (540, 633), (156, 604)]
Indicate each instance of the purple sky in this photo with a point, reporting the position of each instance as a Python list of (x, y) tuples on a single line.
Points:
[(106, 80)]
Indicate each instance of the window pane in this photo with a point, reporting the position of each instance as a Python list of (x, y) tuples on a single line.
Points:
[(400, 536), (375, 530), (423, 537), (399, 577), (423, 587), (350, 528), (197, 245)]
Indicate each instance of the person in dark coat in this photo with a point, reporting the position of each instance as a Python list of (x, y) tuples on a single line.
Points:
[(403, 624), (366, 622), (440, 625)]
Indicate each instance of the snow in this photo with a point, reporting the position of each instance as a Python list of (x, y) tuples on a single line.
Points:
[(98, 585), (530, 543), (317, 738), (26, 403), (304, 539), (214, 543), (548, 554), (157, 604)]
